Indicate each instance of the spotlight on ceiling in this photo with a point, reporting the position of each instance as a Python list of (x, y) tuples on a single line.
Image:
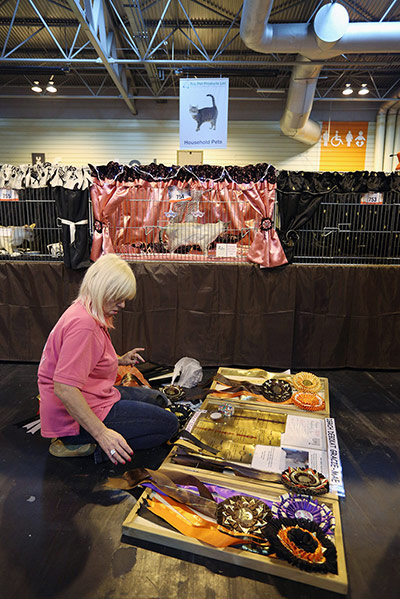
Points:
[(364, 90), (347, 90), (50, 87), (36, 87)]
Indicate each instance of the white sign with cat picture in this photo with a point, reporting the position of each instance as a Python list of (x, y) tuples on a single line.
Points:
[(203, 113)]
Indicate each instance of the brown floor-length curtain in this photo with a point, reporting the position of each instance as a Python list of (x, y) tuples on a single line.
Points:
[(302, 317)]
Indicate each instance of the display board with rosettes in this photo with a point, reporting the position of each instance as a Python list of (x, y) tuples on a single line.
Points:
[(253, 441), (265, 529), (300, 393), (234, 431)]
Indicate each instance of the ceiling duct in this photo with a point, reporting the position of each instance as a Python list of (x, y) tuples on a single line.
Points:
[(329, 35)]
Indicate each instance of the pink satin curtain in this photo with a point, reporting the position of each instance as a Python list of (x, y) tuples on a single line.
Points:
[(266, 249), (136, 212)]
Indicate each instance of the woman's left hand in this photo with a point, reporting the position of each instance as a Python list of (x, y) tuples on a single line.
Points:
[(131, 358)]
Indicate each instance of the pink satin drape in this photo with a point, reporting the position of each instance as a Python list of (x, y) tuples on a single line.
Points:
[(106, 196), (128, 213), (266, 249)]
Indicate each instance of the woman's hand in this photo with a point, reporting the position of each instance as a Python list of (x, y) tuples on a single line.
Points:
[(131, 358), (111, 442), (114, 446)]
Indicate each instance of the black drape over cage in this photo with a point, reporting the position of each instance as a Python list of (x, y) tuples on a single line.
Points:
[(73, 213), (340, 217)]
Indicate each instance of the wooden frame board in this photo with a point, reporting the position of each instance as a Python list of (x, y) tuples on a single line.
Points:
[(257, 377), (135, 526)]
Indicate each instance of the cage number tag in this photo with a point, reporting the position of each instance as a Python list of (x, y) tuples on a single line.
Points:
[(372, 197), (8, 195), (226, 250)]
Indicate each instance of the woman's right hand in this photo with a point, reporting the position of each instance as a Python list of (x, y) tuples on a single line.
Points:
[(114, 446)]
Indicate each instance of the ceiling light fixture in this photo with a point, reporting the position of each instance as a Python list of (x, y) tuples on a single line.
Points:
[(36, 87), (347, 90), (270, 90), (364, 90), (50, 87)]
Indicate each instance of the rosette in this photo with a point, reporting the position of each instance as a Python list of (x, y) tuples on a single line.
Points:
[(276, 390), (291, 505), (173, 392), (183, 413), (243, 514), (306, 381), (308, 401), (303, 544), (305, 480)]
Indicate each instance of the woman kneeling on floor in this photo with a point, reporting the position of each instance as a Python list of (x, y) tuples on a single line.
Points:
[(79, 404)]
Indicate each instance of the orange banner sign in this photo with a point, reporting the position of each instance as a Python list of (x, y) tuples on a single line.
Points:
[(343, 146)]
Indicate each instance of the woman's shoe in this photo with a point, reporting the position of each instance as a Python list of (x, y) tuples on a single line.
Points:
[(60, 450)]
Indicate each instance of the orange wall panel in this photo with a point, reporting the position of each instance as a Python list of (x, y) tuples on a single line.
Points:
[(343, 146)]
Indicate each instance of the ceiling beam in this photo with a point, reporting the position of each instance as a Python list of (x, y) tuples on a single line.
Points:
[(93, 22), (151, 23), (258, 98), (355, 65), (138, 28)]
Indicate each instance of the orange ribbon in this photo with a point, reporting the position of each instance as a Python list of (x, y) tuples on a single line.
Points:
[(190, 524)]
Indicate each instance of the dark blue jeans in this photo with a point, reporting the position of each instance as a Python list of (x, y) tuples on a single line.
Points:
[(138, 418)]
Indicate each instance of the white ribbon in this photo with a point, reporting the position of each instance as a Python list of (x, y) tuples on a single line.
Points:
[(72, 227)]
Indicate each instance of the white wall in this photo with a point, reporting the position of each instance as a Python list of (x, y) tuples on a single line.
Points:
[(79, 142)]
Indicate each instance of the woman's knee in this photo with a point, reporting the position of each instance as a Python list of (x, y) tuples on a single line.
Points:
[(145, 395), (174, 423)]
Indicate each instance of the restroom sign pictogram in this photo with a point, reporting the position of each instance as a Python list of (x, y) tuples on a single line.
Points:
[(343, 146)]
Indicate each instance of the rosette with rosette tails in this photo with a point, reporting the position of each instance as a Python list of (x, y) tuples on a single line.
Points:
[(303, 544), (305, 480), (243, 514), (292, 505), (276, 390), (307, 382)]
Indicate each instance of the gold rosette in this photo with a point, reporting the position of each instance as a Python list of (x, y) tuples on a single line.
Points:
[(307, 382)]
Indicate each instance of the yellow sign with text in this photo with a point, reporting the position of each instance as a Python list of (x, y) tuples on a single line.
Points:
[(343, 146)]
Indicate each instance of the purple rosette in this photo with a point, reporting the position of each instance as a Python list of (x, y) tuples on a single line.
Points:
[(303, 507)]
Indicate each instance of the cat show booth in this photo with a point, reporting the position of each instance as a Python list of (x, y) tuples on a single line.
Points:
[(235, 265)]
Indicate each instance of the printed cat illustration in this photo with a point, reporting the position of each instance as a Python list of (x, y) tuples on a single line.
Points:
[(205, 115)]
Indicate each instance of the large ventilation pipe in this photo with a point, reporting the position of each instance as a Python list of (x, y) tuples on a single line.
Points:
[(381, 131), (295, 121), (330, 35), (396, 145), (379, 139), (389, 137)]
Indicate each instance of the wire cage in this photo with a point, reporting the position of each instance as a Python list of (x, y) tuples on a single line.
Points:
[(345, 229), (352, 228), (29, 228), (179, 225)]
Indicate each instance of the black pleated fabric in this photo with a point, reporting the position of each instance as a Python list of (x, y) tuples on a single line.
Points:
[(72, 205)]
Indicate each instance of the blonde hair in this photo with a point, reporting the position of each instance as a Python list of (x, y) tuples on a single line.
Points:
[(108, 280)]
